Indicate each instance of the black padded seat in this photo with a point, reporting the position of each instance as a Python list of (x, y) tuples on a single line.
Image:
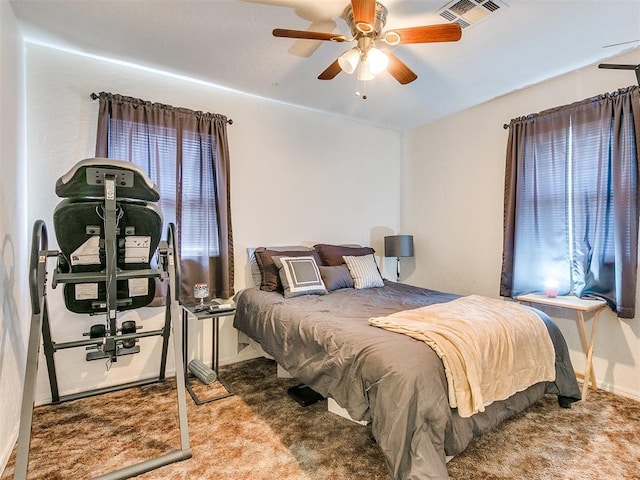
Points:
[(80, 232)]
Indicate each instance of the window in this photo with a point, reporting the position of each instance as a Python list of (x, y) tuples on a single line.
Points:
[(196, 178), (186, 154), (571, 201)]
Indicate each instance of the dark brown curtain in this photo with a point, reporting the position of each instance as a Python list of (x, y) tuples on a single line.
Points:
[(186, 153), (571, 200)]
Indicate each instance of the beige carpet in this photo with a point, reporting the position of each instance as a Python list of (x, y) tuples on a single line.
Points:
[(261, 433)]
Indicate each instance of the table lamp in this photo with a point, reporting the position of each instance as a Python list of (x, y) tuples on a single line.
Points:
[(398, 246)]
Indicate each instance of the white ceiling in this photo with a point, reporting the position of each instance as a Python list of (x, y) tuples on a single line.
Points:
[(229, 43)]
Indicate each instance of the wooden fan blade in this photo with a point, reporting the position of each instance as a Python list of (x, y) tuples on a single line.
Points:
[(364, 12), (304, 34), (399, 70), (450, 32), (331, 71)]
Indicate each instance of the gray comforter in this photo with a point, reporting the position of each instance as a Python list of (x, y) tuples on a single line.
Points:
[(396, 383)]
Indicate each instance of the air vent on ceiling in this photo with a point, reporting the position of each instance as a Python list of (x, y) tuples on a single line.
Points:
[(469, 12)]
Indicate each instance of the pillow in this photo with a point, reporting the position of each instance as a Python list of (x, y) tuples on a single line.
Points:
[(299, 276), (269, 271), (336, 277), (364, 271), (331, 255), (256, 275), (253, 266)]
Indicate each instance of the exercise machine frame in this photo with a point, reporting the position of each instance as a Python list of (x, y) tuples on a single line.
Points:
[(168, 270)]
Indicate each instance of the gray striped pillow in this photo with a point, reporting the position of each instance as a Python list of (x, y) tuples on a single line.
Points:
[(364, 271)]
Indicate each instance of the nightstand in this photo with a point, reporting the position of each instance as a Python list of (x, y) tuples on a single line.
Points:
[(190, 311), (580, 306)]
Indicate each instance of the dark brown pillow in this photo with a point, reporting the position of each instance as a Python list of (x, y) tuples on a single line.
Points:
[(269, 270), (331, 255)]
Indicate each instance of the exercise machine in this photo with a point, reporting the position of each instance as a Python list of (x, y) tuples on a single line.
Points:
[(108, 228)]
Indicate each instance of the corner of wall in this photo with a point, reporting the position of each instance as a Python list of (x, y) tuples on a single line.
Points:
[(13, 230)]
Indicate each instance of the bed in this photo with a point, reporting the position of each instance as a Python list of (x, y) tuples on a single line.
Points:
[(393, 382)]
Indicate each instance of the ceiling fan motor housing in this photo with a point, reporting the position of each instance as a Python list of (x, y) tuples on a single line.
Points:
[(375, 30)]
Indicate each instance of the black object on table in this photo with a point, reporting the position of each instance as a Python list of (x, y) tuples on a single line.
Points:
[(213, 311)]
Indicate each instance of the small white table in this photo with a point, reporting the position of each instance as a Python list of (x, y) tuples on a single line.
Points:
[(580, 306)]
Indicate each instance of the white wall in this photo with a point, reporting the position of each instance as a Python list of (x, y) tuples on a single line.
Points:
[(297, 177), (14, 302), (452, 201)]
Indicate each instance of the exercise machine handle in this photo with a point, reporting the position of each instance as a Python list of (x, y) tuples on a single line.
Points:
[(39, 243)]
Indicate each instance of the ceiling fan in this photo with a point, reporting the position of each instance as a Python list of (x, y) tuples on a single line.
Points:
[(367, 18)]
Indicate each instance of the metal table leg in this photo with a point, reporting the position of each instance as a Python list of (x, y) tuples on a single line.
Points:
[(215, 356)]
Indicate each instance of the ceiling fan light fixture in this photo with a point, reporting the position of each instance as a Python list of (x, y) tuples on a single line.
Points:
[(377, 61), (349, 60), (364, 72), (366, 20)]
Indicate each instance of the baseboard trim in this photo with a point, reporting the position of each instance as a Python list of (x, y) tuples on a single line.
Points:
[(623, 392), (608, 387)]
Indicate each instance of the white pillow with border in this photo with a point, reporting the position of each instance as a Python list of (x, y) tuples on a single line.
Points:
[(300, 276)]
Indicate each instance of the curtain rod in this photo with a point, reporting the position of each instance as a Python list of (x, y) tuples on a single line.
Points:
[(592, 99), (95, 96)]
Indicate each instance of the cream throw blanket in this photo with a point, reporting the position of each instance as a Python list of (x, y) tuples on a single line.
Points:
[(490, 348)]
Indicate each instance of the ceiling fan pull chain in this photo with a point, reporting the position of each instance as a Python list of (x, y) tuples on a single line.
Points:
[(362, 93)]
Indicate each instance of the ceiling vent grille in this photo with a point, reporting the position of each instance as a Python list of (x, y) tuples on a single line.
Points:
[(469, 12)]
